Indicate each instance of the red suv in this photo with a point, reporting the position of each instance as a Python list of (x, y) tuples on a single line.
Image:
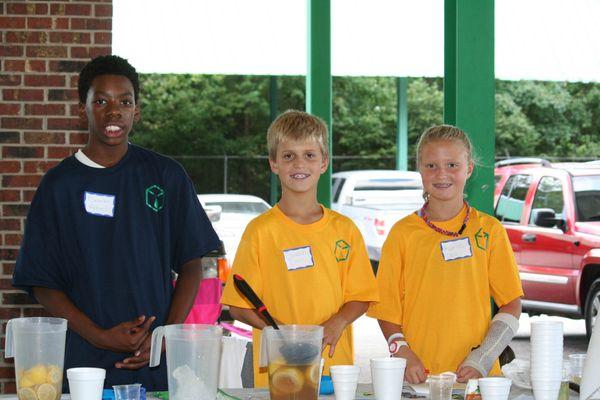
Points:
[(552, 215)]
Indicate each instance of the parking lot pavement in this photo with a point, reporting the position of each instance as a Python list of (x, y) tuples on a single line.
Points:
[(369, 342)]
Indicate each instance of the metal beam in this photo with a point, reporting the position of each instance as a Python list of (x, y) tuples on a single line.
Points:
[(402, 124), (469, 87), (318, 79)]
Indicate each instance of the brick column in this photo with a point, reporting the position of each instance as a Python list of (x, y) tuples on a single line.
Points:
[(44, 45)]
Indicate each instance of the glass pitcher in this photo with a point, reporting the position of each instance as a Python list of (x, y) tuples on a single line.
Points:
[(38, 347), (193, 359)]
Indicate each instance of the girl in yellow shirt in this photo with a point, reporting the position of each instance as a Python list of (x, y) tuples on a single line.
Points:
[(440, 266)]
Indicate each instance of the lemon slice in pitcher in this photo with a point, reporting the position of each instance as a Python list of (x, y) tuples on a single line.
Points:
[(46, 392), (25, 382), (37, 374), (54, 375), (313, 372), (287, 380), (26, 394)]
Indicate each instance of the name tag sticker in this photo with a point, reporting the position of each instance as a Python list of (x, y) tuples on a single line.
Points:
[(99, 204), (457, 248), (298, 258)]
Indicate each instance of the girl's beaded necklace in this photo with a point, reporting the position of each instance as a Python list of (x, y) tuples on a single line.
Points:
[(423, 215)]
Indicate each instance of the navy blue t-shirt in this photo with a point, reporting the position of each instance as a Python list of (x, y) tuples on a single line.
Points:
[(109, 238)]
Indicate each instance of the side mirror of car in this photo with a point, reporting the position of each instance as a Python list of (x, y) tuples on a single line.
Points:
[(213, 213), (546, 217)]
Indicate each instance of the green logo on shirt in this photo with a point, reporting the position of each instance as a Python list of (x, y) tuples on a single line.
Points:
[(155, 198), (342, 250), (482, 239)]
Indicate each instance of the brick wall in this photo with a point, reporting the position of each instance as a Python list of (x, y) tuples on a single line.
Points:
[(44, 45)]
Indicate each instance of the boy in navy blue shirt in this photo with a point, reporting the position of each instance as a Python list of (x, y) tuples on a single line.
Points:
[(104, 231)]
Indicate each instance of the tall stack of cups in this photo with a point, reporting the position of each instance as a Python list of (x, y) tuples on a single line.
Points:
[(546, 359), (388, 376)]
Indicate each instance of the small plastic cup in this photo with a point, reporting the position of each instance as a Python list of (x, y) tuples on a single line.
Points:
[(345, 381), (388, 376), (440, 386), (127, 392), (494, 388), (576, 362), (86, 383)]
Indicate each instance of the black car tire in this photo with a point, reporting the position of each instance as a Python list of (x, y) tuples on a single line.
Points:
[(592, 307)]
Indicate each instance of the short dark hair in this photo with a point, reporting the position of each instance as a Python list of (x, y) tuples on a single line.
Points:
[(106, 65)]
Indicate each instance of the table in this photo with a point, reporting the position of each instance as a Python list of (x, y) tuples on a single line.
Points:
[(364, 392)]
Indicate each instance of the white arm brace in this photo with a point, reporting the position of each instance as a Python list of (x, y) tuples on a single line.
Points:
[(503, 328)]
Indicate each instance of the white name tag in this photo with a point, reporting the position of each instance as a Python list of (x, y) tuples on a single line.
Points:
[(298, 258), (457, 248), (99, 204)]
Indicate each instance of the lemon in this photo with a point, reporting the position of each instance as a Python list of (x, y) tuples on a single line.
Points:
[(312, 373), (37, 374), (46, 392), (25, 382), (54, 375), (275, 365), (27, 394), (287, 380)]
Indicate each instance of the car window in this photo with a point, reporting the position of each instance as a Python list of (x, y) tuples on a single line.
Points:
[(512, 199), (548, 195), (336, 188), (587, 197), (239, 207)]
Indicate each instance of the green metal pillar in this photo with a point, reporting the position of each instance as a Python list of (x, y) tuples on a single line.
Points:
[(402, 124), (274, 179), (469, 87), (318, 79)]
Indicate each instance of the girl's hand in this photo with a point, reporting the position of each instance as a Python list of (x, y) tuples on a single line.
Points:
[(464, 373), (415, 370)]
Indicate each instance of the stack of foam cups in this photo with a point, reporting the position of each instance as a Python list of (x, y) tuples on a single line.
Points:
[(546, 359), (345, 381), (388, 375)]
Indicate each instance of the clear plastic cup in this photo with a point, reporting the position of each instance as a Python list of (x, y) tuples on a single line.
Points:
[(388, 375), (127, 392), (86, 383), (576, 361), (440, 386)]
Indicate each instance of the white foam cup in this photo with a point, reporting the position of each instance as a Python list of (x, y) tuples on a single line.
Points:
[(86, 383), (545, 389), (388, 376), (494, 388), (345, 381)]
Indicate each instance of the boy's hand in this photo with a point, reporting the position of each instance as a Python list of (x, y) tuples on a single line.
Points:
[(126, 337), (140, 358), (415, 370), (464, 373), (332, 330)]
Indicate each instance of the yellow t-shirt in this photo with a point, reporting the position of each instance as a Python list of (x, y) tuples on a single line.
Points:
[(308, 295), (444, 306)]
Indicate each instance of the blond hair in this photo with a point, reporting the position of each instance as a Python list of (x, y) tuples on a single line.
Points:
[(296, 125), (445, 133)]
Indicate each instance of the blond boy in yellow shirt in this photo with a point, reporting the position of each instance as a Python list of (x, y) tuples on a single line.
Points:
[(333, 283)]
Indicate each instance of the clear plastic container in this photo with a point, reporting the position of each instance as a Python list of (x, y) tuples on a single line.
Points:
[(193, 359), (294, 359), (38, 347)]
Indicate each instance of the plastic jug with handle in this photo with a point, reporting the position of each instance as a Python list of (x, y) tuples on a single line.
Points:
[(38, 347), (193, 358)]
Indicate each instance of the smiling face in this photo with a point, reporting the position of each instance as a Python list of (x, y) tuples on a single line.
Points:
[(109, 111), (299, 164), (445, 167)]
